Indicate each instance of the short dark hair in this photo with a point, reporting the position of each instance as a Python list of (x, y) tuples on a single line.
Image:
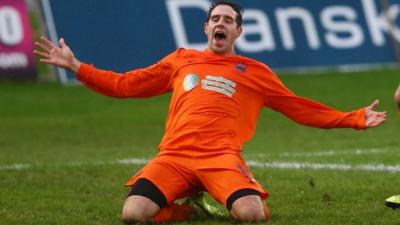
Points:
[(235, 6)]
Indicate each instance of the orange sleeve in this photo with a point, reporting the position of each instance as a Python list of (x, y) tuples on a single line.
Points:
[(308, 112), (140, 83)]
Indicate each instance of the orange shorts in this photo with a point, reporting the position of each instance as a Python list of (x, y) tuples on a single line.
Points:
[(178, 176)]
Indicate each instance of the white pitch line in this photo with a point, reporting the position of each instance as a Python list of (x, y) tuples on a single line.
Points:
[(325, 166), (325, 153), (17, 166), (250, 163), (335, 152)]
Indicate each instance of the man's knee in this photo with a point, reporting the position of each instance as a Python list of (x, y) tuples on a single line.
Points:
[(250, 208), (139, 209), (144, 201)]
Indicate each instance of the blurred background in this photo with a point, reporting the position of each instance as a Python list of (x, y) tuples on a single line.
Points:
[(301, 36)]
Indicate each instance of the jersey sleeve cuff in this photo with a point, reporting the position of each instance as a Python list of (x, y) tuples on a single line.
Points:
[(360, 119), (84, 72)]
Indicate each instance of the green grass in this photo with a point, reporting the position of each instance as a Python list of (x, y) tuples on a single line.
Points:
[(71, 138)]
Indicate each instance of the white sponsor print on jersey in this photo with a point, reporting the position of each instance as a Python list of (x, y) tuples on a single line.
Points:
[(210, 83), (219, 84)]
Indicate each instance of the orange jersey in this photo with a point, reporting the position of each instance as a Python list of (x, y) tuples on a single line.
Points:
[(215, 100)]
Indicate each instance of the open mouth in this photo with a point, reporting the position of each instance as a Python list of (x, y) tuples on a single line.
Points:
[(219, 35)]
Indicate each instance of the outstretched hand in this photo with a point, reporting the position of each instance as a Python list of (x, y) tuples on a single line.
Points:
[(373, 118), (58, 56)]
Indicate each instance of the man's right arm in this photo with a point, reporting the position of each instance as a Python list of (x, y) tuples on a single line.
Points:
[(140, 83), (58, 56)]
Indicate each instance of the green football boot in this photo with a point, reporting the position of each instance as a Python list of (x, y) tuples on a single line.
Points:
[(200, 206), (393, 202)]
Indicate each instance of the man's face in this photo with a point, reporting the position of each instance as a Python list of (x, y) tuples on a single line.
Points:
[(222, 30)]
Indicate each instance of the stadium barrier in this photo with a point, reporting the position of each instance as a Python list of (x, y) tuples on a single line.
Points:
[(296, 35)]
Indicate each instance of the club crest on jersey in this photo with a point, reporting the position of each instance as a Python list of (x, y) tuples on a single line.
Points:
[(241, 67), (190, 81)]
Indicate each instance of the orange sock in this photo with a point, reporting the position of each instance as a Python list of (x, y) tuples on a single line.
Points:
[(266, 211), (174, 213)]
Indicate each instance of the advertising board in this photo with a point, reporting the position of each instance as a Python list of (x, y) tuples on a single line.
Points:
[(285, 34), (16, 48)]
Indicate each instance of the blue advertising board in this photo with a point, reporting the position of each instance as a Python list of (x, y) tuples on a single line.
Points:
[(125, 34)]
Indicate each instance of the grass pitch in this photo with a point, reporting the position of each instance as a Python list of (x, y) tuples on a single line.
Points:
[(64, 154)]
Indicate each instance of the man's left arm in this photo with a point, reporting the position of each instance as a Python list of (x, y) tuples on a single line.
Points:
[(311, 113)]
